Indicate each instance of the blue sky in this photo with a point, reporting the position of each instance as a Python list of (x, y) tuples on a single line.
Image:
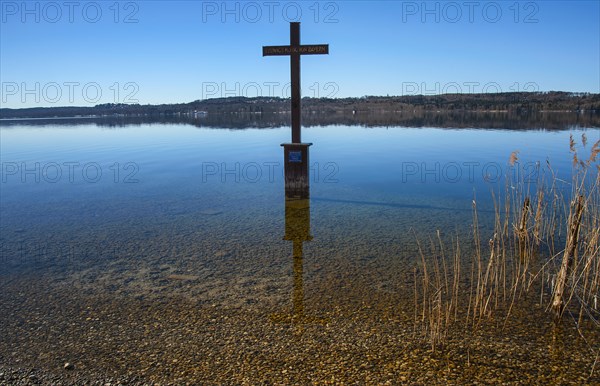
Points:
[(59, 53)]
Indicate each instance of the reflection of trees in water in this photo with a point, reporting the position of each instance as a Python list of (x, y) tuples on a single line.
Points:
[(455, 119), (486, 120)]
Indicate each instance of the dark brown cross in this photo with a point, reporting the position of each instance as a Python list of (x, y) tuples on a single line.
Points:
[(294, 50)]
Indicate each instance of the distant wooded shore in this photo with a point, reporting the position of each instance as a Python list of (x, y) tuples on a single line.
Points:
[(514, 103)]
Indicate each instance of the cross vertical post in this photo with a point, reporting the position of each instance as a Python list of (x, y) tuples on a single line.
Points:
[(295, 75)]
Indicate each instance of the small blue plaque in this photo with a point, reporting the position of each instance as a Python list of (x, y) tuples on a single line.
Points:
[(295, 156)]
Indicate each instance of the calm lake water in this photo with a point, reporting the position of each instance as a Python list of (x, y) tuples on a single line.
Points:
[(194, 196), (170, 210)]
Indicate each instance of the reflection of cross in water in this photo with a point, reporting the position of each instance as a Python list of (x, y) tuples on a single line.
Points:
[(297, 230)]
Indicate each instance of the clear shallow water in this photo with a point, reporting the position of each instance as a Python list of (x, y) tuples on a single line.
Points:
[(154, 190), (103, 232)]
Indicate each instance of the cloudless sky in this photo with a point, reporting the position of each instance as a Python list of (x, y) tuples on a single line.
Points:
[(81, 53)]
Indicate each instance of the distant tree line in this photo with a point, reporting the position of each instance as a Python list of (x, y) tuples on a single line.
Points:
[(514, 103)]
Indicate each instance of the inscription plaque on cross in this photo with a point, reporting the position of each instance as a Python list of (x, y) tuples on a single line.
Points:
[(294, 51), (296, 153)]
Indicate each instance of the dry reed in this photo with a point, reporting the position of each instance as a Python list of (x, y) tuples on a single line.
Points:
[(548, 239)]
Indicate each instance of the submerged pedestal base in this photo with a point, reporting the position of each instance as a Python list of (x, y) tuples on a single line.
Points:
[(296, 164)]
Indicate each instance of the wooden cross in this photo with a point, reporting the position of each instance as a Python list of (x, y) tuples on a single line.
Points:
[(294, 50)]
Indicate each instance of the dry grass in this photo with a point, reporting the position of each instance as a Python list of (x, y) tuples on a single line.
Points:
[(546, 236)]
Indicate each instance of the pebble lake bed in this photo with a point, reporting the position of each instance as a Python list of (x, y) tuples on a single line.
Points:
[(113, 340)]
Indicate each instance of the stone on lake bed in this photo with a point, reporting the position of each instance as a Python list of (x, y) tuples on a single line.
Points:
[(210, 212), (221, 253), (182, 277), (68, 366)]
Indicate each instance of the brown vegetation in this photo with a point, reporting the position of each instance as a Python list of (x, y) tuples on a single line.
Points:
[(547, 240)]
